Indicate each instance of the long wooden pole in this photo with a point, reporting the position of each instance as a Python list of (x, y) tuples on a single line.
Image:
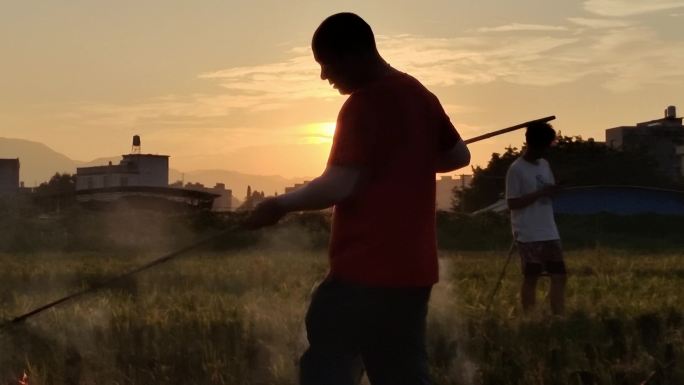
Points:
[(112, 281), (194, 246), (508, 129)]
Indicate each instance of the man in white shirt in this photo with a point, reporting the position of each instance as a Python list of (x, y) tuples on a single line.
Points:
[(529, 187)]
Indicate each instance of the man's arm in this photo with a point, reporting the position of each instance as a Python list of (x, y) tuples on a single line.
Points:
[(457, 157), (526, 200), (333, 186)]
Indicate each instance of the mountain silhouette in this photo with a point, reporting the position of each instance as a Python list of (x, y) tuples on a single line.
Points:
[(37, 161)]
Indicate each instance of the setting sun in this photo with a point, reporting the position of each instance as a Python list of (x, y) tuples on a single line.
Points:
[(318, 133), (327, 129)]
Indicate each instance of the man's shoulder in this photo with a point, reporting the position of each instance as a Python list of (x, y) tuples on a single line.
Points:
[(545, 163), (396, 82), (355, 103), (410, 84), (409, 79), (516, 165)]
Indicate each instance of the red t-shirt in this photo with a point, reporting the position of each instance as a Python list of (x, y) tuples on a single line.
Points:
[(384, 234)]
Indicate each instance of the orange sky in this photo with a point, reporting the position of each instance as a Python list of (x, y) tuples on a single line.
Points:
[(233, 85)]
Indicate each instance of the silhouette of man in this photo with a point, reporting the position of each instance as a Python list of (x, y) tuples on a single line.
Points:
[(529, 186), (392, 136)]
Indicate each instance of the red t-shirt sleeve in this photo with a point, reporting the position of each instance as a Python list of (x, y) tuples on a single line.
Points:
[(447, 136), (354, 134)]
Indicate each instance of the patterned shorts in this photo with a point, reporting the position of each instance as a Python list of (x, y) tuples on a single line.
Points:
[(541, 257)]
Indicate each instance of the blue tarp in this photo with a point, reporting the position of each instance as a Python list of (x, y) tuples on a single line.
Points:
[(623, 200)]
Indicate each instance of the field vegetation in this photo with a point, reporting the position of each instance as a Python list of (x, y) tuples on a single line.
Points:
[(232, 313)]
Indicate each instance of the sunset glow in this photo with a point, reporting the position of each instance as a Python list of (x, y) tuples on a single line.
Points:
[(206, 85), (326, 131)]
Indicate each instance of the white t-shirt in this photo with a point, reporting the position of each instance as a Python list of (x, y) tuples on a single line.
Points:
[(535, 222)]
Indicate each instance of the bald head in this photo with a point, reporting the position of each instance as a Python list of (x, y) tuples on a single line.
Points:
[(344, 46), (343, 34)]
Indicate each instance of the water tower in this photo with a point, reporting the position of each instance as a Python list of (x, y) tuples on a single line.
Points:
[(671, 112), (135, 149)]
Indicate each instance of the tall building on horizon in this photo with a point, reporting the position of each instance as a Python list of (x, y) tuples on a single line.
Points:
[(9, 176), (444, 190), (663, 139), (133, 170)]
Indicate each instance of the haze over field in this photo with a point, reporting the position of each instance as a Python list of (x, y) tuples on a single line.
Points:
[(233, 85)]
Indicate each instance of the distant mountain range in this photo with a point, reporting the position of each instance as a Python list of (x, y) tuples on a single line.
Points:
[(39, 162)]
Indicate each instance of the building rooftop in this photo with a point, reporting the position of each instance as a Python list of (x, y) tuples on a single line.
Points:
[(126, 168), (144, 156)]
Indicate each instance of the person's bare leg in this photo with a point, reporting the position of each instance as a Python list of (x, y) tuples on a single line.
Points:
[(528, 292), (557, 293)]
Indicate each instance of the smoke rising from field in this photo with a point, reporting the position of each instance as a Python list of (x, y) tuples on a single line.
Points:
[(446, 330), (254, 297), (50, 254), (145, 230), (290, 239)]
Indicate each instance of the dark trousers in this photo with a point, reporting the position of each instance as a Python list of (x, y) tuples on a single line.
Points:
[(350, 328)]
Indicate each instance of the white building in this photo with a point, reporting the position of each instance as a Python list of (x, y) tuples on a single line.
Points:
[(224, 201), (134, 170), (141, 180), (224, 197), (444, 189)]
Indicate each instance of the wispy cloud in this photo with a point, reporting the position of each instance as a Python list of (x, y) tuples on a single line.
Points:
[(295, 82), (518, 27), (293, 79), (621, 8), (599, 23), (624, 56), (635, 58), (475, 60)]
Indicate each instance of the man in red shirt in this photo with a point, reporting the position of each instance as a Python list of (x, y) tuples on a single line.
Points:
[(392, 136)]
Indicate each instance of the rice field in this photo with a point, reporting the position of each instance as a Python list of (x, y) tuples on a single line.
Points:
[(236, 317)]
